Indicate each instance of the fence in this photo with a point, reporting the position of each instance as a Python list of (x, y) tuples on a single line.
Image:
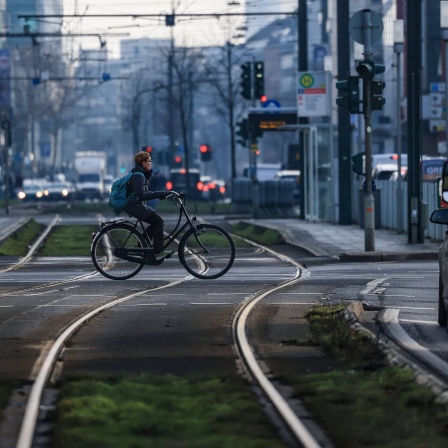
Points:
[(280, 193), (389, 207)]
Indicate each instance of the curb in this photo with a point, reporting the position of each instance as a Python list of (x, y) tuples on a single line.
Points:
[(288, 236), (388, 256)]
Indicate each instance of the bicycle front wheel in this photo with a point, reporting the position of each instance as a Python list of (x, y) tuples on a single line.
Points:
[(207, 253), (106, 244)]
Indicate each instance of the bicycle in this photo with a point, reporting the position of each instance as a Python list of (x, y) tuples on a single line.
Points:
[(120, 249)]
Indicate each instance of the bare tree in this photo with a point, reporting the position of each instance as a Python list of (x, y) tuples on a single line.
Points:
[(222, 71), (135, 99)]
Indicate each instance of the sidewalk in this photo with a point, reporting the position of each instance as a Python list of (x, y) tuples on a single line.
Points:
[(346, 243)]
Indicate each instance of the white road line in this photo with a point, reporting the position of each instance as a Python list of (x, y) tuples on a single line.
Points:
[(390, 318), (212, 303), (372, 285), (410, 308), (426, 322), (56, 305), (299, 293), (145, 304), (227, 294), (291, 303), (392, 295)]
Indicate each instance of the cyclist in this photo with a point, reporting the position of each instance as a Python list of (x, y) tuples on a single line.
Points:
[(138, 207)]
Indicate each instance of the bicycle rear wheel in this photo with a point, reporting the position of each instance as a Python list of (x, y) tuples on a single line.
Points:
[(104, 246), (207, 254)]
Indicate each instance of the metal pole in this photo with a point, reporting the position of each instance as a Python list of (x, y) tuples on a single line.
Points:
[(6, 125), (445, 36), (369, 203), (399, 178)]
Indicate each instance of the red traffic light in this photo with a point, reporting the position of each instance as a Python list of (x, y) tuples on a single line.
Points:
[(263, 98), (148, 149), (206, 152), (178, 159)]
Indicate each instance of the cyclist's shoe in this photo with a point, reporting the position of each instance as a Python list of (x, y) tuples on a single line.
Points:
[(164, 254)]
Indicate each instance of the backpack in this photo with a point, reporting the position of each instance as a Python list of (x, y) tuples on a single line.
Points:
[(117, 196)]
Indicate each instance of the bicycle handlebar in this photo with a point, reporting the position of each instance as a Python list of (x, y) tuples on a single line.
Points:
[(176, 197)]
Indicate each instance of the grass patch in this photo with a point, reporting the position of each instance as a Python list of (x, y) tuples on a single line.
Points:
[(161, 411), (164, 207), (258, 234), (18, 243), (364, 401), (68, 240)]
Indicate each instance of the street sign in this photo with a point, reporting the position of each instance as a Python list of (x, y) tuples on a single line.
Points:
[(271, 104), (437, 87), (313, 94), (356, 26)]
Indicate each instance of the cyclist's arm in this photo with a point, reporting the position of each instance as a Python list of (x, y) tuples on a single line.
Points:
[(140, 188)]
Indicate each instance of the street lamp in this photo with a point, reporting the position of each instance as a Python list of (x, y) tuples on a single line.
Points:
[(398, 49), (444, 29)]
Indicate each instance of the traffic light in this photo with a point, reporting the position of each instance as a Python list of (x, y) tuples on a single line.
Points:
[(359, 163), (169, 20), (350, 94), (368, 69), (147, 148), (246, 84), (258, 79), (242, 132), (206, 153), (378, 100)]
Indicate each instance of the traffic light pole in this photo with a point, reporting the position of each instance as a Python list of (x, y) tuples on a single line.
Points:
[(369, 202), (6, 126)]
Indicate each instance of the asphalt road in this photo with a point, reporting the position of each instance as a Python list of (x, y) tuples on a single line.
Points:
[(187, 328)]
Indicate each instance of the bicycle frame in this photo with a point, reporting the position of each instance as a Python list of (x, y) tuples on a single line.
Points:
[(148, 253)]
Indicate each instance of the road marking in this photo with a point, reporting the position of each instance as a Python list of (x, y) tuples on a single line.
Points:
[(372, 285), (299, 293), (292, 303), (393, 295), (227, 294), (411, 321), (145, 304), (6, 306), (410, 308), (211, 303), (55, 305)]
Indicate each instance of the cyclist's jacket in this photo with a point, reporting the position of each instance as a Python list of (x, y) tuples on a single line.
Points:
[(140, 185)]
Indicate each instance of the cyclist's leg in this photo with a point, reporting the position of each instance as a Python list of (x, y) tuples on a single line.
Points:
[(155, 230)]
